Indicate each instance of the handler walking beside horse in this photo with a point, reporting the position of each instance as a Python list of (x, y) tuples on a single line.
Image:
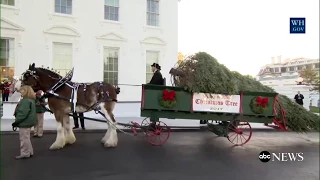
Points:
[(25, 118), (40, 110)]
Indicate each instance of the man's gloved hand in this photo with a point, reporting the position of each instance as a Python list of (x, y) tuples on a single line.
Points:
[(14, 124)]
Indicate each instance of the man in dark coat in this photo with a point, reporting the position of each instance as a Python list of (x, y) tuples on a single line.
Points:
[(299, 98), (157, 76)]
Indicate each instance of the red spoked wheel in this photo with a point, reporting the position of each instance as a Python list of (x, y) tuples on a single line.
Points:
[(239, 132), (158, 133), (145, 124)]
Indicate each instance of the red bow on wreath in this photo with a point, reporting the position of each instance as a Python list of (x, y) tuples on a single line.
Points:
[(262, 101), (168, 95)]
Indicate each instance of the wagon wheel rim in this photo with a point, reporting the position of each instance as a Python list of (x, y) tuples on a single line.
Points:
[(145, 123), (239, 132), (158, 134)]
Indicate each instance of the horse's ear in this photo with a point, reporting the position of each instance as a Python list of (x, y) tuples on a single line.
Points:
[(33, 65), (29, 66)]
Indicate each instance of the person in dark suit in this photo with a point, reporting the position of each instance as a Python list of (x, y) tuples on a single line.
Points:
[(157, 76), (299, 98), (156, 80), (76, 123)]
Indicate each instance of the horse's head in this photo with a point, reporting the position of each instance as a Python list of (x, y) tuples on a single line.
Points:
[(37, 78), (30, 77)]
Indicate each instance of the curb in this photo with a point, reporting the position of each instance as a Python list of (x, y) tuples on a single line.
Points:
[(174, 129)]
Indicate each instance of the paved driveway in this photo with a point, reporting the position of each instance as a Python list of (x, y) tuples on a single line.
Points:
[(186, 156)]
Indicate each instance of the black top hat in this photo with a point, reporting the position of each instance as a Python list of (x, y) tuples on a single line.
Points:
[(156, 65)]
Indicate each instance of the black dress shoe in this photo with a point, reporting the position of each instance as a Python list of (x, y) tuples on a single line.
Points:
[(83, 128), (75, 127)]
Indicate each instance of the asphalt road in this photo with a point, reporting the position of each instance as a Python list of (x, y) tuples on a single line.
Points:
[(187, 156)]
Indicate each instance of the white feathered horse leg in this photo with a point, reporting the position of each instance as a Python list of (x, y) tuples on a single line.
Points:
[(68, 131), (60, 139), (110, 139)]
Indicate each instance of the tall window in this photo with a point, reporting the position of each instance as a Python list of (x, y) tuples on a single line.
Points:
[(62, 57), (151, 57), (8, 2), (111, 10), (110, 66), (7, 58), (153, 12), (63, 6)]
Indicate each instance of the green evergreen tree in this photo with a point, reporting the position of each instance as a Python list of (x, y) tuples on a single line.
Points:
[(202, 73)]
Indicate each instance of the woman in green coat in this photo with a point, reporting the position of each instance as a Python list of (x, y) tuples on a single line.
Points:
[(25, 118)]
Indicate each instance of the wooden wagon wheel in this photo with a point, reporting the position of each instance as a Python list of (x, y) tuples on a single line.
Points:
[(239, 132), (158, 133), (145, 124)]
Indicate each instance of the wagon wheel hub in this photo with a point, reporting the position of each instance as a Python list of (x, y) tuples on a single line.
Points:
[(239, 131), (157, 132)]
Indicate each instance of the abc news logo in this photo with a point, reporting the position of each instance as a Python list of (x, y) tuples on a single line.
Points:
[(265, 156)]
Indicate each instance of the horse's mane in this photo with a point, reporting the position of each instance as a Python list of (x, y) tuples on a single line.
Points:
[(52, 73)]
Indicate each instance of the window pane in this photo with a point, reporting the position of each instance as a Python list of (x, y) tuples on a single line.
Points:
[(148, 6), (106, 9), (63, 9), (116, 10), (57, 2), (7, 58), (57, 9), (69, 10), (62, 57), (69, 3), (11, 2), (111, 65), (63, 2), (116, 3)]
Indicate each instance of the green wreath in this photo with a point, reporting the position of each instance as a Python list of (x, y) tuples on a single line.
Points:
[(168, 99), (259, 105)]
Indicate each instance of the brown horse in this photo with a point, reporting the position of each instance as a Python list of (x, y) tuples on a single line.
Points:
[(85, 97)]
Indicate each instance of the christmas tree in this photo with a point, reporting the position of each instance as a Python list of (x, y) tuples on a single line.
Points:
[(202, 73)]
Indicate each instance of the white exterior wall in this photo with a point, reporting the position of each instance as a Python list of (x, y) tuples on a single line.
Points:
[(35, 27), (289, 88)]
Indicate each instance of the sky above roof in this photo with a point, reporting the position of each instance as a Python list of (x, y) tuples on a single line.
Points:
[(245, 34)]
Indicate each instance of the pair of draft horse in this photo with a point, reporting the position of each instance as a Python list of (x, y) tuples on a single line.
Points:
[(65, 96)]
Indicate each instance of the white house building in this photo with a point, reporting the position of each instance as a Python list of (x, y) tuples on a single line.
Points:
[(114, 41), (282, 77)]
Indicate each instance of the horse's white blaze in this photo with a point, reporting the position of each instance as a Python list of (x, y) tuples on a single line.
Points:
[(17, 85), (60, 139), (69, 135), (110, 139)]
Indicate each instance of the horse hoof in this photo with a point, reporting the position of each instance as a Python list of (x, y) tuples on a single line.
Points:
[(71, 140), (56, 146), (110, 145)]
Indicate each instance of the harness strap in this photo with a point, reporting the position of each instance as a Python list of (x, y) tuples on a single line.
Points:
[(74, 97)]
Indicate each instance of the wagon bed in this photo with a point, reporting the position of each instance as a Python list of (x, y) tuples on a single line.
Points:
[(233, 122)]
